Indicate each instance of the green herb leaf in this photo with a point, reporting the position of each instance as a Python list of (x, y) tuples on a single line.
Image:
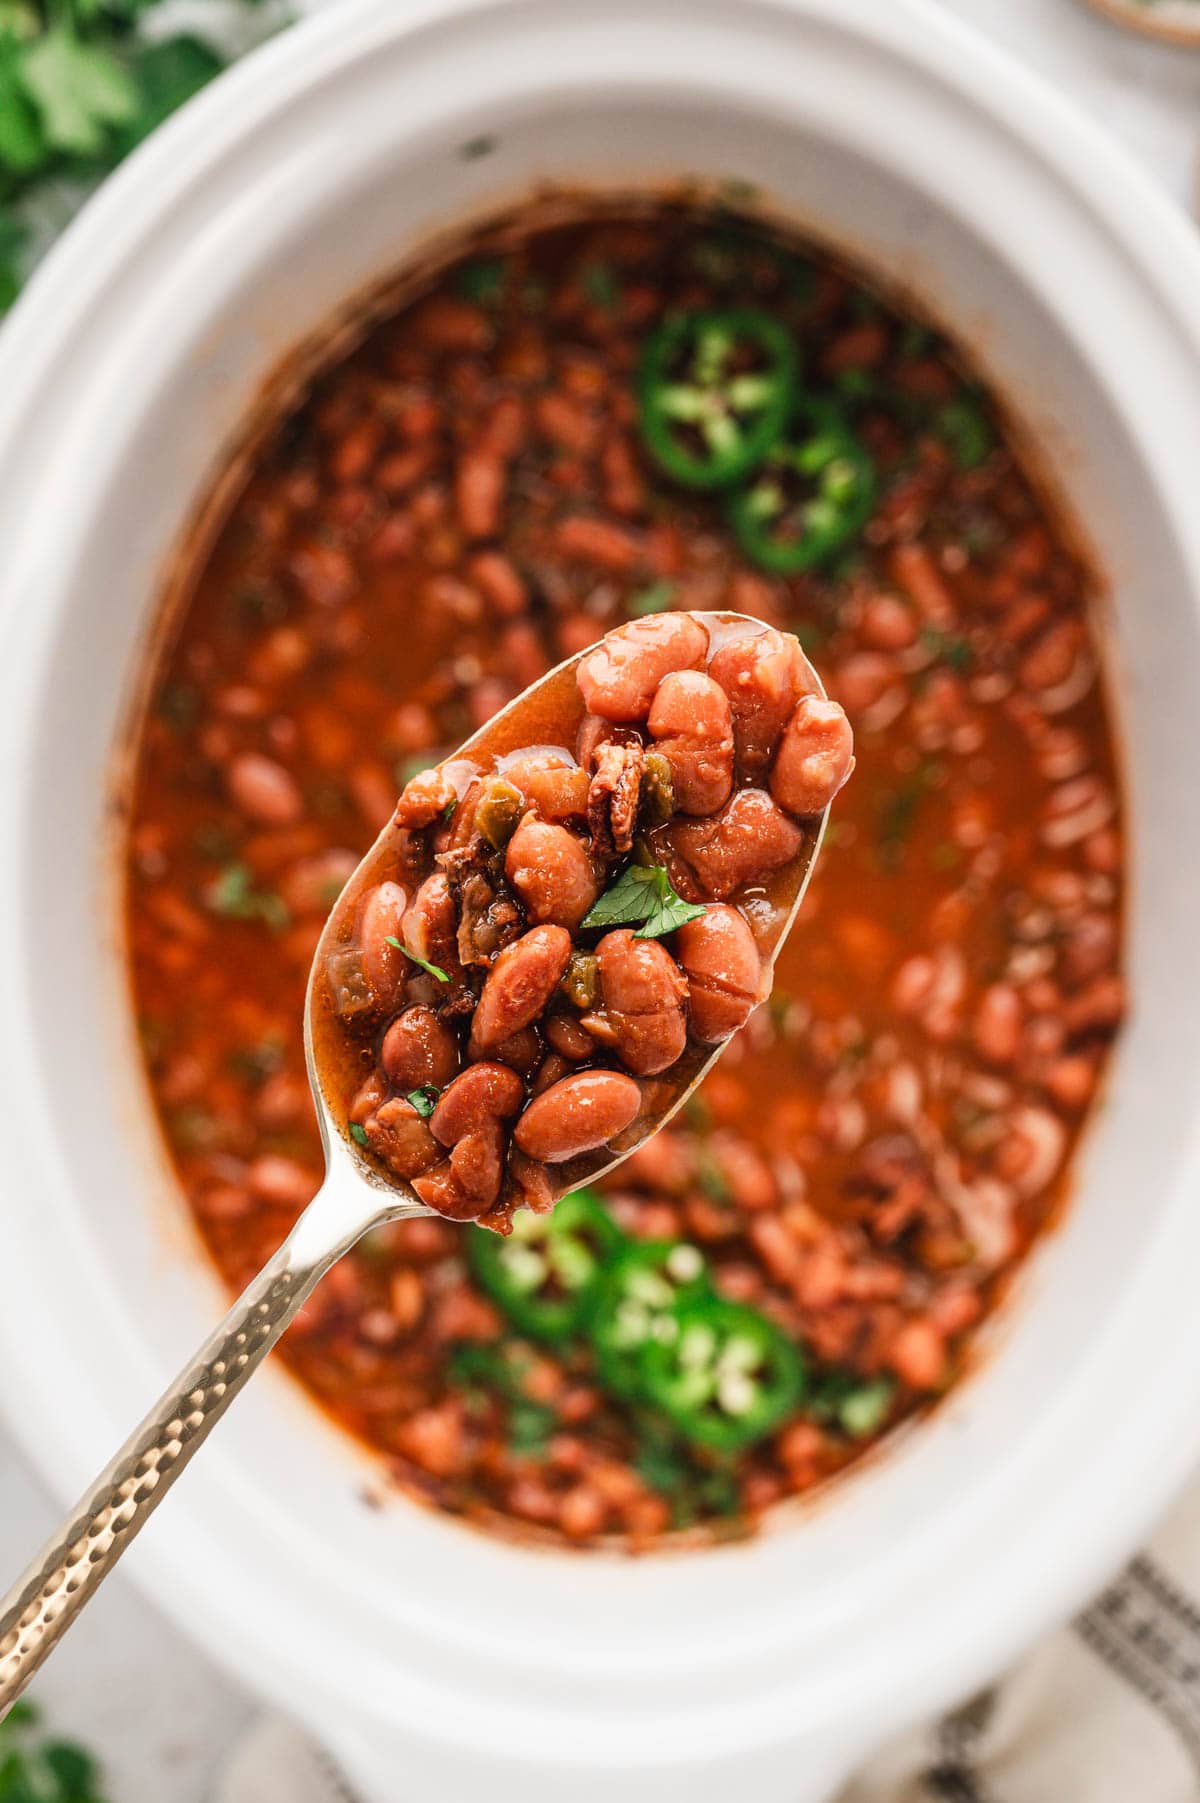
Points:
[(12, 248), (530, 1428), (600, 285), (424, 1100), (433, 969), (73, 1767), (358, 1134), (653, 600), (23, 146), (966, 431), (483, 281), (81, 91), (167, 74), (949, 648), (864, 1410), (643, 892), (233, 893)]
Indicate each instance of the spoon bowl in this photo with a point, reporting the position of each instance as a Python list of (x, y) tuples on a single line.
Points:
[(357, 1195)]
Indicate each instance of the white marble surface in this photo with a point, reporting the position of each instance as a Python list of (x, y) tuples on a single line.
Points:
[(162, 1718)]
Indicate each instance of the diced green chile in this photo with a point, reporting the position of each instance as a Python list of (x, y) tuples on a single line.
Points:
[(726, 1376), (715, 391), (544, 1275), (814, 494), (637, 1294), (500, 808)]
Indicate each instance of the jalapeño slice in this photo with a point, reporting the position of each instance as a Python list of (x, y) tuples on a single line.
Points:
[(715, 391), (543, 1276), (813, 495), (726, 1377)]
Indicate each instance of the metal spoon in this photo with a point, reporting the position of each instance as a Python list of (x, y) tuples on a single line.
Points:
[(354, 1198)]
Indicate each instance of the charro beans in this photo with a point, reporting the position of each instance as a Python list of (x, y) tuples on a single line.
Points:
[(865, 1173), (519, 857)]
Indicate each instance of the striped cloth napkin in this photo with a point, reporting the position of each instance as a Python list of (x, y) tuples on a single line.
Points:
[(1106, 1710)]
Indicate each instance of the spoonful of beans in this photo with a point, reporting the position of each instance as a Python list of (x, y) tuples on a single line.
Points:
[(532, 968)]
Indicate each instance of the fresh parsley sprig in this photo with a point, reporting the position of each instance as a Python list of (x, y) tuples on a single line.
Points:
[(35, 1768), (435, 970), (643, 893), (80, 86)]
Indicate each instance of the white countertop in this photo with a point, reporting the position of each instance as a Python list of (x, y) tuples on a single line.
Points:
[(161, 1717)]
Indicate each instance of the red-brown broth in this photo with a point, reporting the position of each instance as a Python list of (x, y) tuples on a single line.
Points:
[(879, 1148)]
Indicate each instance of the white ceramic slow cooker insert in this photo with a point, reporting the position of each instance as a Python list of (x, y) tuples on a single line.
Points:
[(436, 1661)]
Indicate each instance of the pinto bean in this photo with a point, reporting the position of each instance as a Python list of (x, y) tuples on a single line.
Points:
[(746, 840), (605, 543), (381, 919), (417, 1049), (263, 790), (690, 718), (431, 926), (721, 963), (519, 985), (399, 1136), (479, 485), (568, 1038), (815, 758), (551, 783), (552, 873), (918, 1355), (425, 797), (468, 1183), (997, 1026), (763, 676), (644, 992), (500, 583), (577, 1114), (482, 1091), (522, 1052), (619, 679)]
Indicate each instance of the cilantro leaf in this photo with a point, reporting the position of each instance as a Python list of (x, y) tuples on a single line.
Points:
[(167, 74), (233, 893), (434, 970), (80, 91), (653, 600), (600, 285), (358, 1134), (23, 146), (643, 892), (12, 245), (424, 1100)]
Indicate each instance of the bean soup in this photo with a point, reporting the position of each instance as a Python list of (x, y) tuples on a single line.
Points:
[(589, 415)]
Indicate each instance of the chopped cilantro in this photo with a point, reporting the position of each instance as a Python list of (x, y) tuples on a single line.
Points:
[(949, 648), (601, 286), (643, 892), (358, 1134), (424, 1100), (433, 969), (653, 600), (966, 431), (483, 281), (234, 894)]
